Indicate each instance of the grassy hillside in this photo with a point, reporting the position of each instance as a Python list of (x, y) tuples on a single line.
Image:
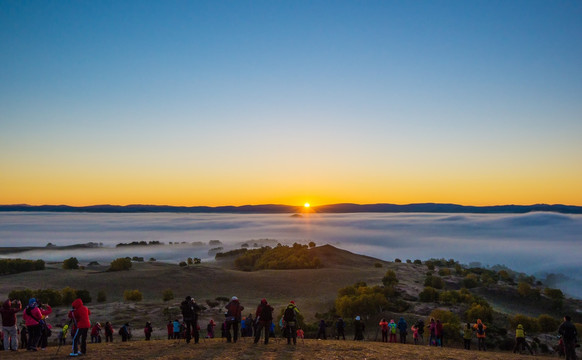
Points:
[(220, 350)]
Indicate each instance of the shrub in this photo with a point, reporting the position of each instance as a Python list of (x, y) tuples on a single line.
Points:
[(68, 295), (137, 258), (547, 323), (417, 262), (478, 311), (470, 281), (389, 278), (378, 265), (197, 261), (311, 244), (101, 296), (71, 264), (397, 260), (182, 264), (429, 294), (152, 259), (15, 266), (434, 281), (556, 296), (84, 295), (445, 272), (120, 264), (22, 295), (132, 295), (429, 264), (530, 324), (49, 296), (360, 299), (449, 297), (408, 261), (523, 289), (212, 303), (167, 295)]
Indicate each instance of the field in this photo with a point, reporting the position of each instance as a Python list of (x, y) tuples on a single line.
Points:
[(275, 350)]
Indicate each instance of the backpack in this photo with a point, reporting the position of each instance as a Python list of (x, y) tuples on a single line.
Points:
[(480, 330), (266, 313), (289, 314)]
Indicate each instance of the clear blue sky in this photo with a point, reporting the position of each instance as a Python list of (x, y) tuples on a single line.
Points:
[(234, 102)]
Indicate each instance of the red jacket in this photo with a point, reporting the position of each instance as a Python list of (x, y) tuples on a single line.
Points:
[(9, 313), (81, 314)]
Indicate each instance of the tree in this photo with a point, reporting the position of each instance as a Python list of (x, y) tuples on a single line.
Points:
[(68, 295), (120, 264), (311, 244), (389, 278), (101, 296), (84, 295), (71, 264), (429, 294), (556, 296), (190, 261), (132, 295), (547, 323), (479, 311), (167, 295)]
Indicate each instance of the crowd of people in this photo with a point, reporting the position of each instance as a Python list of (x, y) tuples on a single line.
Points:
[(35, 332)]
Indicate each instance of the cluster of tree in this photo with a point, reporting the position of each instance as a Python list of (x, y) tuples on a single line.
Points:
[(235, 252), (278, 258), (15, 266), (132, 295), (190, 261), (50, 296), (140, 243)]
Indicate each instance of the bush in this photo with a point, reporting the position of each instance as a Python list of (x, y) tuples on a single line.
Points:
[(429, 264), (132, 295), (389, 278), (378, 265), (278, 258), (478, 311), (397, 260), (311, 244), (445, 272), (556, 296), (101, 296), (84, 295), (120, 264), (530, 324), (429, 294), (547, 323), (182, 264), (167, 295), (434, 281), (212, 304), (417, 262), (360, 299), (15, 266), (68, 295), (49, 296), (470, 281), (22, 295), (71, 264), (450, 321)]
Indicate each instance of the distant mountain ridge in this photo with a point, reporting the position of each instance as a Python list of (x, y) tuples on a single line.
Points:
[(287, 209)]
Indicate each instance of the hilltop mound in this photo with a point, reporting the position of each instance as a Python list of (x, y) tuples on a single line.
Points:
[(331, 256)]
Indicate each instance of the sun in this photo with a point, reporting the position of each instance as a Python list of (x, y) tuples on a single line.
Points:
[(306, 205)]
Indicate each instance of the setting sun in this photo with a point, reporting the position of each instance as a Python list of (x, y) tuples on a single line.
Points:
[(306, 205)]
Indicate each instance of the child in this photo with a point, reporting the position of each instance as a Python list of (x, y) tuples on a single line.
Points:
[(414, 334)]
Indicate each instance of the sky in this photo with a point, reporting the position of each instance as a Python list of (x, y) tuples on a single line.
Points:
[(260, 102)]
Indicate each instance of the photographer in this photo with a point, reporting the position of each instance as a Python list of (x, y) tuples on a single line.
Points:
[(9, 328), (80, 315), (45, 331)]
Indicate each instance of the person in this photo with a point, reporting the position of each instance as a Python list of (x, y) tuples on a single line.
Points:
[(125, 332), (340, 326), (290, 322), (520, 342), (392, 330), (420, 326), (432, 339), (170, 328), (210, 329), (264, 317), (467, 336), (569, 333), (439, 333), (96, 333), (32, 317), (223, 329), (176, 325), (384, 328), (249, 325), (359, 329), (321, 331), (80, 315), (62, 335), (414, 334), (403, 329), (45, 328), (9, 328), (300, 333), (480, 329), (243, 327), (108, 332), (233, 318), (24, 337), (190, 315), (147, 330)]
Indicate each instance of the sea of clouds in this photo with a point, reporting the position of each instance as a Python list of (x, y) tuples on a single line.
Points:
[(535, 243)]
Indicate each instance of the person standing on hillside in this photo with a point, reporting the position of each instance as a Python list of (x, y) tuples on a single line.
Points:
[(569, 333), (392, 330), (340, 326), (190, 314), (32, 317), (480, 329), (384, 328), (80, 315), (432, 339), (403, 329), (176, 326), (96, 333), (147, 330), (9, 328), (520, 340), (233, 318), (264, 317), (321, 331), (170, 329), (108, 332), (467, 336), (439, 333), (290, 322), (359, 329)]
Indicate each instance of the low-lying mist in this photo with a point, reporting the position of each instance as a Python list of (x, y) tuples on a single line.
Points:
[(535, 243)]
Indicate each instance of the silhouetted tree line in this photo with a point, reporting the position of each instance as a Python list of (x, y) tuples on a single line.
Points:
[(15, 266)]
